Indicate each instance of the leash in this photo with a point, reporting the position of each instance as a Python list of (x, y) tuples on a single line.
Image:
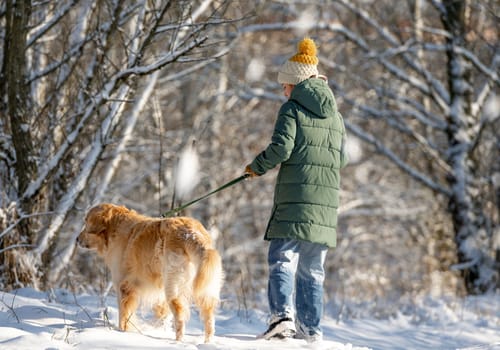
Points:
[(226, 185)]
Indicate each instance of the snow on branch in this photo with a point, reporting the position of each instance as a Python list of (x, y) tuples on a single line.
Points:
[(392, 117), (95, 103), (382, 30), (139, 46), (437, 92), (50, 22), (78, 184), (412, 108), (18, 221), (386, 151), (398, 161), (68, 55), (426, 147), (15, 246), (62, 259), (130, 123), (490, 72), (53, 162), (196, 67), (166, 59)]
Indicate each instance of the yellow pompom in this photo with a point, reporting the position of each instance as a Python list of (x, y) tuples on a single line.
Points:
[(307, 47), (307, 52)]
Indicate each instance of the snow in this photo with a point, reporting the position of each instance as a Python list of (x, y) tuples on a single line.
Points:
[(306, 21), (31, 319), (256, 69), (492, 108), (354, 150), (188, 172)]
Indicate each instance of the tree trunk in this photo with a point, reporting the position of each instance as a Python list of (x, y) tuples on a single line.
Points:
[(17, 18), (469, 220)]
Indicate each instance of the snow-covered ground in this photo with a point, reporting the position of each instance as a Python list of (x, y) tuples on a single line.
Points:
[(36, 320)]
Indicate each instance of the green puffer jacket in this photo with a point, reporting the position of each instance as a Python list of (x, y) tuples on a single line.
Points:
[(308, 141)]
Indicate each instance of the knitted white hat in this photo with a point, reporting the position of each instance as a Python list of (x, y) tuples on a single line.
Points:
[(301, 66)]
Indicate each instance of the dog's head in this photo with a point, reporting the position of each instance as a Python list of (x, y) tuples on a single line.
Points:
[(96, 231)]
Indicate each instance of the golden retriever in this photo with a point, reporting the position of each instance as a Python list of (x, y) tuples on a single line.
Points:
[(146, 256)]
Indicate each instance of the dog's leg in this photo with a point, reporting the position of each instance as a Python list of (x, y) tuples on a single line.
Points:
[(180, 310), (161, 310), (128, 302), (207, 307)]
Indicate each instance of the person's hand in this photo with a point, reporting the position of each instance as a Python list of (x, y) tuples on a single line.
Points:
[(250, 172)]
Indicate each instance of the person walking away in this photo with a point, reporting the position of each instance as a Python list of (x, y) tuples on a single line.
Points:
[(308, 144)]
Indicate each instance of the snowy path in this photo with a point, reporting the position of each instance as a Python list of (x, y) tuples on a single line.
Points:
[(28, 320)]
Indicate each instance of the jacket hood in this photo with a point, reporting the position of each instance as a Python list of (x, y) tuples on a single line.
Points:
[(315, 95)]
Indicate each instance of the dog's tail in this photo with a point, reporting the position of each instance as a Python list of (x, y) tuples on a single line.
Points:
[(206, 287), (208, 279)]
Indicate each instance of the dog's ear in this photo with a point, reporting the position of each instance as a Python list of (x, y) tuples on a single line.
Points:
[(106, 213), (100, 216)]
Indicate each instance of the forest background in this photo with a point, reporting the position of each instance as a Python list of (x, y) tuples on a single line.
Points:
[(101, 100)]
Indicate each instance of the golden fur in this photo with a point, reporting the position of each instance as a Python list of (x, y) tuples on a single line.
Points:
[(173, 256)]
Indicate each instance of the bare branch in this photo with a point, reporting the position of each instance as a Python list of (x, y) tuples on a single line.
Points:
[(11, 307), (397, 160), (49, 23), (491, 73), (27, 216), (78, 184), (15, 246), (437, 91)]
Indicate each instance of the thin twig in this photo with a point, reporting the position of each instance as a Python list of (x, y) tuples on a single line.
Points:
[(15, 246), (11, 307), (11, 227), (81, 307)]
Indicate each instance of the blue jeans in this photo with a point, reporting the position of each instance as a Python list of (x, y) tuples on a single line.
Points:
[(297, 266)]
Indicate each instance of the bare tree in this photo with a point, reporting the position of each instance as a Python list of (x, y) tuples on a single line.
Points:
[(458, 93), (16, 117), (415, 82), (73, 71)]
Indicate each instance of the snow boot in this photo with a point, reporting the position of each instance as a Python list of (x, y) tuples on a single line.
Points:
[(280, 329)]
